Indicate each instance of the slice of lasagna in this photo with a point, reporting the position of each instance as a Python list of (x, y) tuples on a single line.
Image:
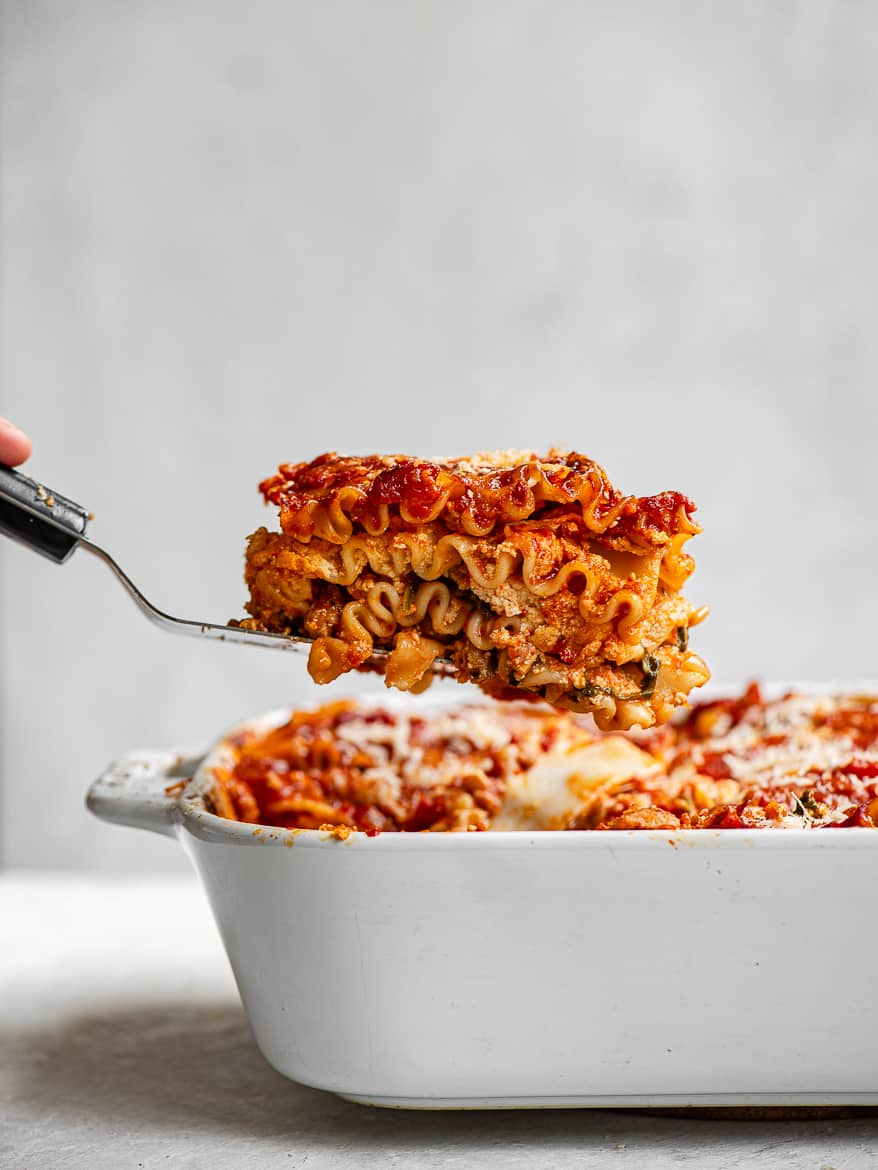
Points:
[(520, 572)]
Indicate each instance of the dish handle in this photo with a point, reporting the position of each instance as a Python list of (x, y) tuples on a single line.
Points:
[(135, 789)]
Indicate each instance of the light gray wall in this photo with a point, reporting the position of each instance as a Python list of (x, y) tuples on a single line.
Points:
[(239, 233)]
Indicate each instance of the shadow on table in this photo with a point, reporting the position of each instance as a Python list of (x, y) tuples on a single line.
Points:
[(197, 1068)]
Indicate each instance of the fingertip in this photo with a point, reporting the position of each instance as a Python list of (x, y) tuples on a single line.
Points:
[(15, 446)]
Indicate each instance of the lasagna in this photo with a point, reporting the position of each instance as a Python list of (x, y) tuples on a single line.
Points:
[(799, 762), (349, 766), (504, 569)]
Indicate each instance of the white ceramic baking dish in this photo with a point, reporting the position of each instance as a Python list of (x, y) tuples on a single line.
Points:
[(539, 968)]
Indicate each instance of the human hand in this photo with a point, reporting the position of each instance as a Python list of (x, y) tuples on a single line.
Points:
[(14, 444)]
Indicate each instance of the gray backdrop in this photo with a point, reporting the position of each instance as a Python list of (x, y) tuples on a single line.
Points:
[(234, 234)]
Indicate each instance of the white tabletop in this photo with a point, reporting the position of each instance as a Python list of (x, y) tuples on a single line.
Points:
[(123, 1044)]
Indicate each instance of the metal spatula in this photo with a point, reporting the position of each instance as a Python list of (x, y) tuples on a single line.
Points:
[(51, 524)]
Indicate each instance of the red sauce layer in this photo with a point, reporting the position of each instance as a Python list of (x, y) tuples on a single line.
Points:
[(369, 486)]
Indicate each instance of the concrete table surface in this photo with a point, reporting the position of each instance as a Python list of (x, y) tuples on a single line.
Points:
[(123, 1044)]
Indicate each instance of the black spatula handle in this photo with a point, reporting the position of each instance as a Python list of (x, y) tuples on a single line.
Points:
[(24, 503)]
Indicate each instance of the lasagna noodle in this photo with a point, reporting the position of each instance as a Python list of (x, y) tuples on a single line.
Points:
[(571, 592)]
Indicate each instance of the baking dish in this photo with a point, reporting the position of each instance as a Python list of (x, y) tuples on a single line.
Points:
[(537, 968)]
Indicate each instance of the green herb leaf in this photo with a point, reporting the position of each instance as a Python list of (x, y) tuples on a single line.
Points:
[(805, 805), (651, 666)]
